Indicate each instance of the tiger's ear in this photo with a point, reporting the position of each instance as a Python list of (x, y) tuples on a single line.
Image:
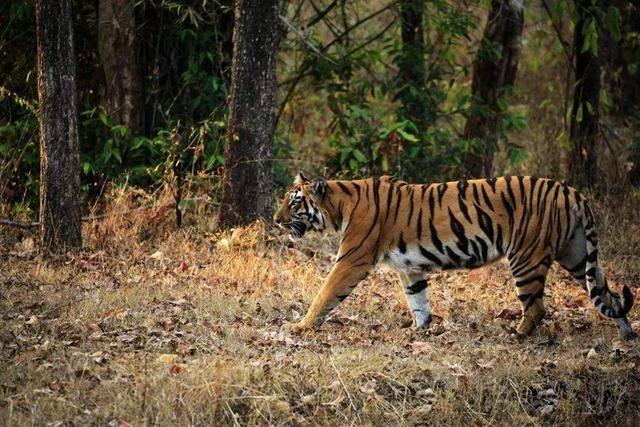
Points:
[(319, 188), (300, 179)]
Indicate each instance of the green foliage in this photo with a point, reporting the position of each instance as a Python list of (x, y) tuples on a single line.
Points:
[(184, 91)]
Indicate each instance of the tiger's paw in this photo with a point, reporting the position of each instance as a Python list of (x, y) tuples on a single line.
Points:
[(529, 322), (294, 327)]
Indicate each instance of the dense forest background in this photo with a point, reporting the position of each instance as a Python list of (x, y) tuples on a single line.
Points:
[(363, 88)]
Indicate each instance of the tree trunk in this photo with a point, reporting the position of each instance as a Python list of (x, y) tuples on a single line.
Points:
[(59, 158), (583, 131), (117, 49), (247, 183), (411, 65), (494, 71)]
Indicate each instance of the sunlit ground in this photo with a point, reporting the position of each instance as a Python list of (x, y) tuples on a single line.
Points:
[(158, 326)]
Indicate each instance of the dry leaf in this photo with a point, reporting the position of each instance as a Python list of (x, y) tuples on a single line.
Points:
[(622, 346), (176, 368), (418, 347), (157, 255), (486, 364), (167, 358), (592, 354), (509, 314)]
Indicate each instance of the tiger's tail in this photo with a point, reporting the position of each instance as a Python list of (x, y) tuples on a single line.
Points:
[(608, 302)]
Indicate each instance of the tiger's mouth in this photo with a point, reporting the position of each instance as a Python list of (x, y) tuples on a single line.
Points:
[(296, 229)]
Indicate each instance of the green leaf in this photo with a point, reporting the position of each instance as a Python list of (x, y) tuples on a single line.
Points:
[(359, 155), (612, 23), (579, 114), (406, 135)]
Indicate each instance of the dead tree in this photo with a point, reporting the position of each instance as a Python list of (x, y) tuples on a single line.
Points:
[(117, 49), (59, 158), (247, 183), (494, 72)]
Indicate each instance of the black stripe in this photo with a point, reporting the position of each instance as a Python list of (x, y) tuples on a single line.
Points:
[(484, 248), (533, 299), (485, 196), (462, 188), (476, 250), (402, 245), (485, 222), (510, 191), (499, 240), (492, 184), (395, 215), (516, 271), (419, 225), (521, 185), (344, 188), (410, 195), (463, 209), (389, 197), (529, 280), (428, 255), (442, 188), (458, 230), (432, 202), (476, 196), (454, 256), (417, 287), (434, 237), (342, 297), (592, 257), (508, 208)]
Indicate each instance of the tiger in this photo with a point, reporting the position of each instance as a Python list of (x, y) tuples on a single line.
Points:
[(416, 229)]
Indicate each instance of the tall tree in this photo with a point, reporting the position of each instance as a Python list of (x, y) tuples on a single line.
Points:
[(585, 112), (247, 183), (117, 49), (494, 72), (411, 65), (60, 227)]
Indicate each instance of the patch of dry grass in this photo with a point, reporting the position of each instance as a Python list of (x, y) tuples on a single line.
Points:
[(151, 325)]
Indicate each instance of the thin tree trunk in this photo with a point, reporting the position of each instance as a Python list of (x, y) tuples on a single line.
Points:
[(585, 112), (60, 227), (494, 71), (117, 49), (247, 183), (411, 65)]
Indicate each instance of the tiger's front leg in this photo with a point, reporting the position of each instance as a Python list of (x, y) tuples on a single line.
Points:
[(337, 286), (416, 290)]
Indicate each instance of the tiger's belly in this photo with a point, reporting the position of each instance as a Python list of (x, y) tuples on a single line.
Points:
[(423, 260)]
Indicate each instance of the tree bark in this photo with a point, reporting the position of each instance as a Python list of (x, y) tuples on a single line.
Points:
[(494, 71), (117, 49), (583, 132), (411, 65), (247, 182), (60, 227)]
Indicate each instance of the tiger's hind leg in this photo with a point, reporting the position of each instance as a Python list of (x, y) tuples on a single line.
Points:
[(573, 258), (416, 290), (530, 279)]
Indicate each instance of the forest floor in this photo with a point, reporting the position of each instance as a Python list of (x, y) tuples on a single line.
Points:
[(152, 325)]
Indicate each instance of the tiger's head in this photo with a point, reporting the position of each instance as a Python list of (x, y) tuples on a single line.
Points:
[(300, 210)]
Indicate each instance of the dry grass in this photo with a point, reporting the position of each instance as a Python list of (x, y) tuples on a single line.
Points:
[(150, 325)]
